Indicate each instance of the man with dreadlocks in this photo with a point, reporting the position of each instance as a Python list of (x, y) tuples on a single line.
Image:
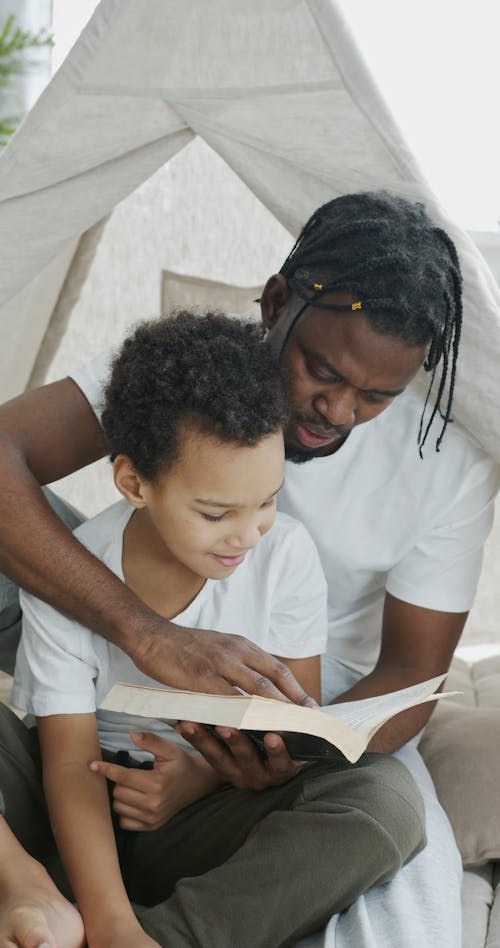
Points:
[(370, 292)]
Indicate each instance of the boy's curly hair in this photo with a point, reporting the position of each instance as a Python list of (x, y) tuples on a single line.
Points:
[(212, 371)]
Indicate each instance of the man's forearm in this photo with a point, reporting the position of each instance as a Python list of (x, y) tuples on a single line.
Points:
[(417, 644), (46, 434), (39, 553), (401, 728)]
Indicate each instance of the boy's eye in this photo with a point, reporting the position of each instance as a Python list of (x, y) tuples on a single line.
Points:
[(269, 503), (211, 518)]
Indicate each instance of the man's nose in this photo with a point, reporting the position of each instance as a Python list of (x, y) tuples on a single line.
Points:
[(338, 406)]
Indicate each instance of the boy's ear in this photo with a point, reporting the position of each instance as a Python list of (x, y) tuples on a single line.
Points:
[(128, 481), (275, 297)]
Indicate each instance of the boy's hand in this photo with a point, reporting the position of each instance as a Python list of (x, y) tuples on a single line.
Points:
[(237, 761), (145, 799)]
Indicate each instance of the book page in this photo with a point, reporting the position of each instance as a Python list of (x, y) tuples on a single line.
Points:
[(348, 725), (368, 714), (239, 711)]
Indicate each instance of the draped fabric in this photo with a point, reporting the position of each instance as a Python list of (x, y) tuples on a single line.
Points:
[(276, 87)]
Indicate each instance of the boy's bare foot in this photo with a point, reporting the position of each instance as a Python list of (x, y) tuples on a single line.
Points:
[(33, 913)]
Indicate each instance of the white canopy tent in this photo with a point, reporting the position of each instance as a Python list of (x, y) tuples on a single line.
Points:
[(276, 87), (279, 91)]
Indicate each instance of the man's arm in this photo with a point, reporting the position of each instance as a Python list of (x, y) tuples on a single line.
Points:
[(417, 644), (46, 434)]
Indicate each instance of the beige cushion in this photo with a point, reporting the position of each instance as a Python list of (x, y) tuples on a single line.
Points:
[(182, 291), (461, 747)]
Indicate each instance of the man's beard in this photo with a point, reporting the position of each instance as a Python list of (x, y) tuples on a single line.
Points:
[(294, 452), (298, 456)]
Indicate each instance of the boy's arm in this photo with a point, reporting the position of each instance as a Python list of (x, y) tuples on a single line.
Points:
[(44, 435), (81, 821)]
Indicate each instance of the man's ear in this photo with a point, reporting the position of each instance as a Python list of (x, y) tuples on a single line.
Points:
[(128, 481), (275, 297)]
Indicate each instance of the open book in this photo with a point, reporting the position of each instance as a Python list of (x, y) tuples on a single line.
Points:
[(309, 734)]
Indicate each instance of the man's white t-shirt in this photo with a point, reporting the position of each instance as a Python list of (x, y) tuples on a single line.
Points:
[(276, 598), (383, 519)]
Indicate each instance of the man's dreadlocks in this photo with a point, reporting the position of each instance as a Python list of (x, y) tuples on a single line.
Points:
[(402, 269)]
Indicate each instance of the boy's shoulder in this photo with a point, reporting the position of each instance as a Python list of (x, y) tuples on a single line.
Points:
[(287, 547), (286, 529), (99, 534)]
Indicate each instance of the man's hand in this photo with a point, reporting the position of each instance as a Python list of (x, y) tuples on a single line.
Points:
[(145, 799), (237, 761), (213, 662)]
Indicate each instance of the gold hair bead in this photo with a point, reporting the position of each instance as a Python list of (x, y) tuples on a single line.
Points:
[(357, 305), (317, 286)]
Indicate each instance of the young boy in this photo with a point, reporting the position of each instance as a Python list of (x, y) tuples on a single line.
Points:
[(193, 417)]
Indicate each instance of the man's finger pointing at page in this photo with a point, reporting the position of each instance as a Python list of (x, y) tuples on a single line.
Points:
[(213, 662)]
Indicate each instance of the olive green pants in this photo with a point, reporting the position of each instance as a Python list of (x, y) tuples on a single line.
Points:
[(240, 869)]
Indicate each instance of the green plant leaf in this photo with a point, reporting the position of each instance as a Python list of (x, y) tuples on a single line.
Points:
[(14, 44), (14, 40)]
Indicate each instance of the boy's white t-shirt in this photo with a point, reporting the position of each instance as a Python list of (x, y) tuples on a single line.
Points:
[(383, 519), (276, 598)]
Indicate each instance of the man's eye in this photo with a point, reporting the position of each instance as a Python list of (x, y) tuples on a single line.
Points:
[(375, 399), (211, 518), (316, 373)]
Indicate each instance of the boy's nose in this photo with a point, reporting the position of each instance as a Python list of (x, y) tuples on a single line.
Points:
[(246, 537)]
